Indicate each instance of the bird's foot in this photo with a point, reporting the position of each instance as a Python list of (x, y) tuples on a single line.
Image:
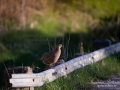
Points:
[(49, 67)]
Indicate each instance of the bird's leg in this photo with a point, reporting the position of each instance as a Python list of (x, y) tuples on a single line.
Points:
[(51, 65)]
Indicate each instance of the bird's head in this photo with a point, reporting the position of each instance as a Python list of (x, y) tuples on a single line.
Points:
[(58, 47)]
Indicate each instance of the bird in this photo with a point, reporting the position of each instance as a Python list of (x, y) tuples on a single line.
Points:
[(51, 57), (81, 50)]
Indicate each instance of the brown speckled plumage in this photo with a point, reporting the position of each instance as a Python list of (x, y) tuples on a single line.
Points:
[(51, 57)]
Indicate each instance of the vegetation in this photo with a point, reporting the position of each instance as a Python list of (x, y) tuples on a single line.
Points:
[(82, 78), (30, 28)]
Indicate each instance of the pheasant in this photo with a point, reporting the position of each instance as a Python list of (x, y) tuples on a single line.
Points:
[(50, 58)]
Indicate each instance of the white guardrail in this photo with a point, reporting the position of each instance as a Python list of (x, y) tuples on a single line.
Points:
[(38, 79)]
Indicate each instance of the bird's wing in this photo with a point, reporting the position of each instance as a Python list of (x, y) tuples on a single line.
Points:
[(46, 56)]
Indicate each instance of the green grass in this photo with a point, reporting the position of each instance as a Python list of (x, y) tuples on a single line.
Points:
[(24, 47), (82, 78), (48, 26)]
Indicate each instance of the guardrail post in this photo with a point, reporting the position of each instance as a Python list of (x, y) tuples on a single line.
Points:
[(16, 70), (98, 44)]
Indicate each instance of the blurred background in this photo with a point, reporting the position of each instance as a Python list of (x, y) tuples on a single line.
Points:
[(29, 28)]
